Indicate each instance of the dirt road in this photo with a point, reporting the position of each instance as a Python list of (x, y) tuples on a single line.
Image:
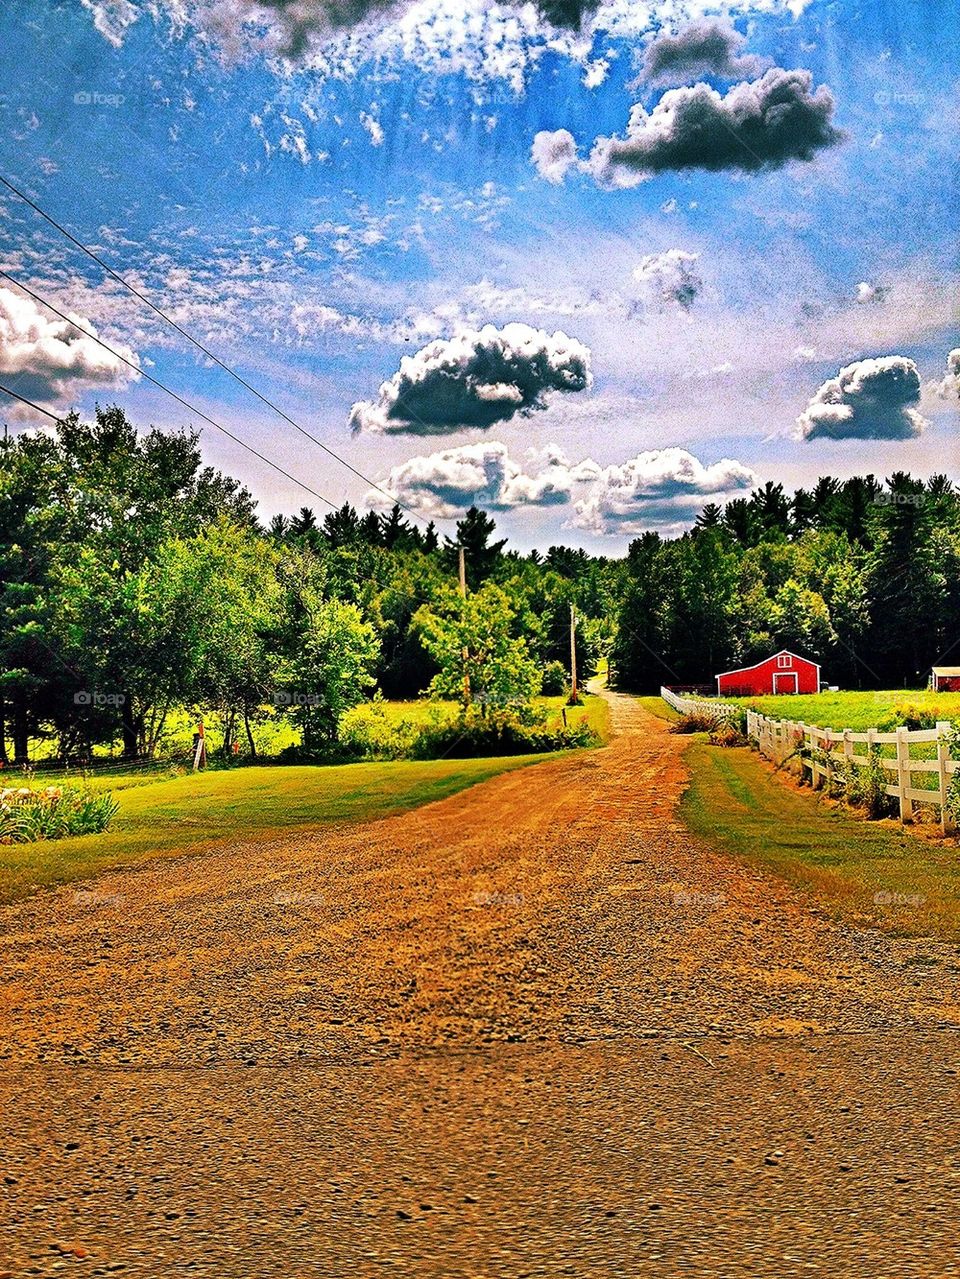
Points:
[(535, 1029)]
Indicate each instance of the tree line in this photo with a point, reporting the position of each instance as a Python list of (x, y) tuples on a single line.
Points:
[(134, 581), (861, 575)]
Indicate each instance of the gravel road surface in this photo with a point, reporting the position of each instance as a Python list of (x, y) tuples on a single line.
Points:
[(536, 1029)]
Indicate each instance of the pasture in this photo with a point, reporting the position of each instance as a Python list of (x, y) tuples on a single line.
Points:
[(856, 710)]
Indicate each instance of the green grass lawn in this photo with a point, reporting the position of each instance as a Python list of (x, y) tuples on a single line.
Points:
[(162, 816), (850, 710), (853, 868)]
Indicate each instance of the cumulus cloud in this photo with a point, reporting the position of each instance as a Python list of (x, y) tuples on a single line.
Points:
[(755, 125), (871, 399), (475, 379), (47, 360), (709, 47), (553, 153), (662, 488), (949, 388), (442, 485), (669, 277)]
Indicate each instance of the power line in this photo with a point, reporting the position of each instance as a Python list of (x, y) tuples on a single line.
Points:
[(30, 404), (150, 378), (206, 351)]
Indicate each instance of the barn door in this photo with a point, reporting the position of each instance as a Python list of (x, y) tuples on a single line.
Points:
[(785, 682)]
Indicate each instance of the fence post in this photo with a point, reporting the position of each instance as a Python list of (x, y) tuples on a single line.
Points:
[(903, 773), (816, 768), (947, 823)]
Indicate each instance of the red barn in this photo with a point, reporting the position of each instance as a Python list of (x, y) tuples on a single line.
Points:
[(784, 672), (945, 679)]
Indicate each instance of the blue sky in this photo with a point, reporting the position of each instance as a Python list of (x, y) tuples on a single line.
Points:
[(317, 205)]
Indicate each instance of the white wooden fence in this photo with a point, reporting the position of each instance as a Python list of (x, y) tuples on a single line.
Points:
[(820, 753), (697, 705)]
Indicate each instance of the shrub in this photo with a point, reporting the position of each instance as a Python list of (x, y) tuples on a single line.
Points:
[(912, 715), (554, 679), (55, 812), (474, 736), (367, 732), (727, 734), (696, 722)]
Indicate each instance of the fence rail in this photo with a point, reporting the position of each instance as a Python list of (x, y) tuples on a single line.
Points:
[(697, 705), (824, 754)]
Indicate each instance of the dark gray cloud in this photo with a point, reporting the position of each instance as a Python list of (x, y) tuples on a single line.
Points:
[(759, 124), (474, 380), (871, 399), (708, 47), (566, 13)]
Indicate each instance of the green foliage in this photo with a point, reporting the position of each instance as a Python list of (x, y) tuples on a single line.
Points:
[(54, 812), (913, 715), (863, 578), (499, 733), (555, 681), (498, 665), (371, 732)]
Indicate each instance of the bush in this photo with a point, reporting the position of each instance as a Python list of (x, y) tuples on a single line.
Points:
[(696, 722), (862, 785), (55, 812), (474, 736), (367, 732), (727, 734), (913, 716), (554, 679)]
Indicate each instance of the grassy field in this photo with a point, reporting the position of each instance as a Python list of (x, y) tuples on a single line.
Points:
[(856, 869), (851, 710), (162, 816)]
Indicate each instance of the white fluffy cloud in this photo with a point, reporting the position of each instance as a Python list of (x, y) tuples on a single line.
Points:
[(949, 388), (669, 277), (553, 153), (756, 125), (444, 484), (47, 360), (662, 488), (871, 399), (475, 379)]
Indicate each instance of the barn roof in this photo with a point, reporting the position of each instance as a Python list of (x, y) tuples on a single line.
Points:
[(739, 670), (948, 671)]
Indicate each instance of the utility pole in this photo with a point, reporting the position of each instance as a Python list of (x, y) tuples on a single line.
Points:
[(466, 651), (573, 654)]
